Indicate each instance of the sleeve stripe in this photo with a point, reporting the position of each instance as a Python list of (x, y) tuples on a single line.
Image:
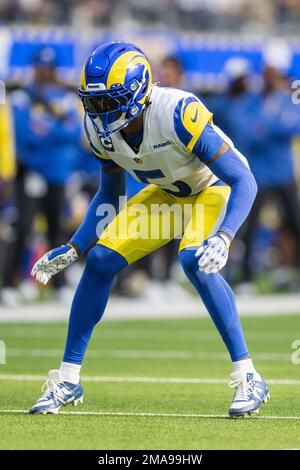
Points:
[(190, 118), (182, 133), (196, 136)]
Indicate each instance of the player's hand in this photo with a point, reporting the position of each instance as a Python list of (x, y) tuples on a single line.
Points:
[(53, 262), (213, 253)]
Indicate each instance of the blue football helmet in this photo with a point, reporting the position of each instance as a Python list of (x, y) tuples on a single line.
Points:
[(115, 83)]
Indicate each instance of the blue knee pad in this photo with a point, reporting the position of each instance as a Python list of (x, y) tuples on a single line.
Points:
[(104, 262), (188, 261)]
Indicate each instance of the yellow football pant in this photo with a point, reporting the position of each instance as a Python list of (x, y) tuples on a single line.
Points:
[(153, 217)]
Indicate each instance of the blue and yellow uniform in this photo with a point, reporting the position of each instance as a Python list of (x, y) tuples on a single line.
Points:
[(7, 150), (185, 161), (178, 141)]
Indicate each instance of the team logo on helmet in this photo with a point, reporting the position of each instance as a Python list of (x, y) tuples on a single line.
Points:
[(116, 81)]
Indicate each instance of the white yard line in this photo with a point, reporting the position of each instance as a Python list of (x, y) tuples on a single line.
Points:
[(150, 415), (167, 380), (138, 354)]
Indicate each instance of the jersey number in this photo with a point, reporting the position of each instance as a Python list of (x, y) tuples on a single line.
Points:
[(184, 190)]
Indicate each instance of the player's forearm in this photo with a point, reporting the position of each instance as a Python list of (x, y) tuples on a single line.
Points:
[(111, 188), (241, 199), (230, 169)]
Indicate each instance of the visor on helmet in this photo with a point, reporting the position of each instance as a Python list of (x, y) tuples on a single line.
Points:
[(103, 103), (115, 108)]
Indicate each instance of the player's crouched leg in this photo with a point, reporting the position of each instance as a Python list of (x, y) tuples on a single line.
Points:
[(219, 300), (63, 386), (90, 299), (250, 388)]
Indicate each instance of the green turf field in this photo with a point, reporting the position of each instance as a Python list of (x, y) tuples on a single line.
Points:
[(139, 392)]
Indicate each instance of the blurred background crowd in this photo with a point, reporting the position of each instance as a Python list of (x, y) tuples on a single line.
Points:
[(187, 15), (48, 175)]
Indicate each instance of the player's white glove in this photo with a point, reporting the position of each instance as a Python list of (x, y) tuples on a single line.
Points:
[(213, 253), (53, 262)]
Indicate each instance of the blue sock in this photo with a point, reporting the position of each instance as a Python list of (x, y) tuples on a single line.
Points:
[(219, 300), (90, 299)]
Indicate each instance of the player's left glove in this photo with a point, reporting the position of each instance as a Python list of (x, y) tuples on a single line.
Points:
[(53, 262), (213, 253)]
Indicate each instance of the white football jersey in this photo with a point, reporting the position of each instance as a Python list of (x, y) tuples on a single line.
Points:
[(163, 159)]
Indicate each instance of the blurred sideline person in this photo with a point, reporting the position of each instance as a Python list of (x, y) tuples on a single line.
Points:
[(166, 138), (7, 175), (264, 124), (47, 131), (274, 123), (232, 107), (171, 73), (7, 154)]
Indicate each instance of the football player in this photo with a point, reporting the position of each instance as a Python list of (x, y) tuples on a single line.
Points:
[(166, 138)]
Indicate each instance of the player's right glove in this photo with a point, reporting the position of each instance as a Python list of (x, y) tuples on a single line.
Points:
[(213, 253), (53, 262)]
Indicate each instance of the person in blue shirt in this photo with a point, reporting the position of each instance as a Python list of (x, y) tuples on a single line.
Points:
[(272, 124), (231, 108), (263, 124), (47, 132)]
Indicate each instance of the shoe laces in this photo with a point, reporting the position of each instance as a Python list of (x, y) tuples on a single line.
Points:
[(52, 390), (243, 389)]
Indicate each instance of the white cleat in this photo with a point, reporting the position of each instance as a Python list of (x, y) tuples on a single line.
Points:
[(57, 394), (250, 392)]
